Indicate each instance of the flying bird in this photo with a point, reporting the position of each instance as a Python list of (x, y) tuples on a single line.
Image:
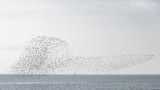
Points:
[(51, 55)]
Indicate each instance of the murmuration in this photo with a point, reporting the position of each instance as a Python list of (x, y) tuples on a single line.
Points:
[(50, 55)]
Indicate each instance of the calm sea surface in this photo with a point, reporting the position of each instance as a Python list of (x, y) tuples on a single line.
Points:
[(79, 82)]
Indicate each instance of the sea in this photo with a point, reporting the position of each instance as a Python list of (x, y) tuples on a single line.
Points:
[(79, 82)]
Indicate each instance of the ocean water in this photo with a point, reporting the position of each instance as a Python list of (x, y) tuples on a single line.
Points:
[(79, 82)]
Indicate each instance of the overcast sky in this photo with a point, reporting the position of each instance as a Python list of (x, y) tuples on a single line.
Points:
[(92, 27)]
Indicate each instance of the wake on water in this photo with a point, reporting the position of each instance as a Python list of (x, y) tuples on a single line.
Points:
[(50, 55)]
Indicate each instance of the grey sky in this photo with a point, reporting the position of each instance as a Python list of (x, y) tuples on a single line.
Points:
[(103, 27)]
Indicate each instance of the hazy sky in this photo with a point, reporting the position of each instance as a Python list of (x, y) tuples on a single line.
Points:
[(92, 27)]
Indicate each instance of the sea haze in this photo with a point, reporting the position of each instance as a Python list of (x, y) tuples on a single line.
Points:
[(79, 82)]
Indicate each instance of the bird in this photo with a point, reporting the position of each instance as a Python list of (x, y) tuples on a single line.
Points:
[(51, 55)]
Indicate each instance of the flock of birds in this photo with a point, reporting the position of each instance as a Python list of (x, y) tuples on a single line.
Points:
[(50, 55)]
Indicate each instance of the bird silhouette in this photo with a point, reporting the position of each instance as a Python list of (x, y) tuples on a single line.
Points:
[(51, 55)]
